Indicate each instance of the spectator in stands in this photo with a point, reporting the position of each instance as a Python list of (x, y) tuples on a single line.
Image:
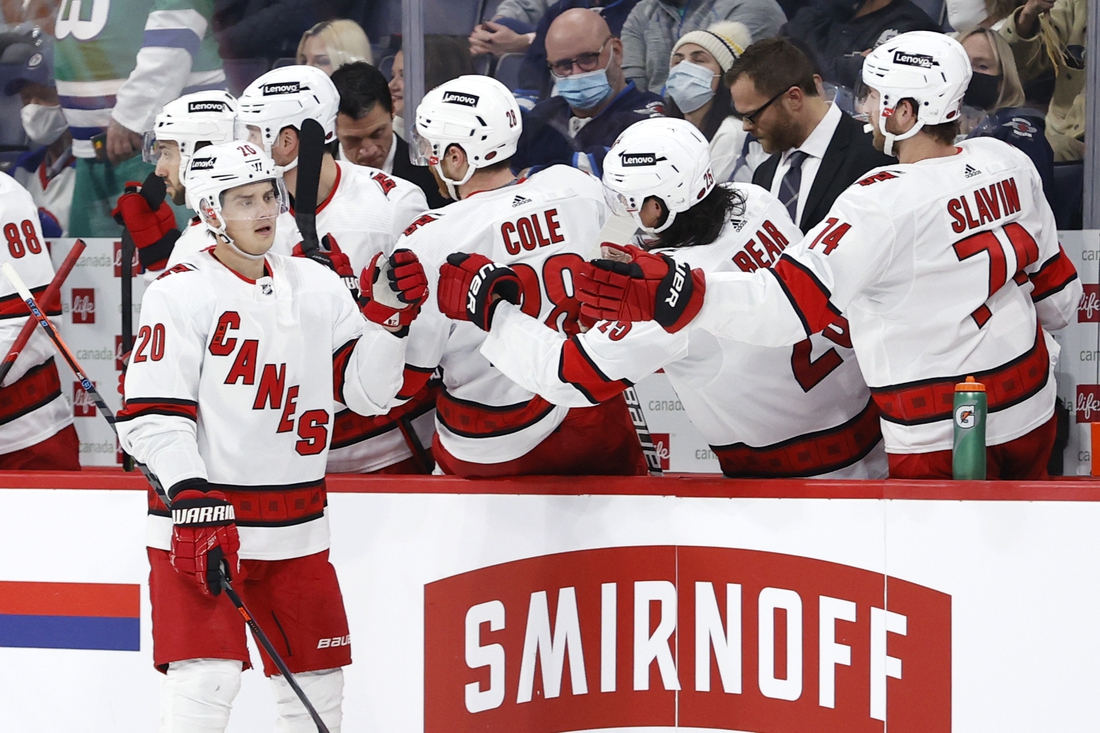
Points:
[(995, 89), (1050, 35), (840, 33), (48, 170), (595, 102), (695, 92), (817, 150), (535, 81), (268, 29), (333, 43), (512, 29), (145, 57), (364, 126), (965, 15), (654, 25), (445, 58)]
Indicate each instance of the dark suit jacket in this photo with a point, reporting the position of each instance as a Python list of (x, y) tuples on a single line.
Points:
[(420, 175), (849, 155)]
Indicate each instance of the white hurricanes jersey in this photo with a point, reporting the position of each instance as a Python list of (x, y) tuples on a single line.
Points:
[(53, 195), (544, 227), (366, 212), (943, 268), (799, 410), (233, 380), (32, 405)]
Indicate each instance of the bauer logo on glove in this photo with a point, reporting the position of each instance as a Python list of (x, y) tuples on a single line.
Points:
[(471, 286)]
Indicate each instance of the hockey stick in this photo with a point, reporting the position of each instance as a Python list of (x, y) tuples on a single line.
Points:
[(127, 254), (266, 644), (311, 153), (97, 398), (51, 292), (619, 231)]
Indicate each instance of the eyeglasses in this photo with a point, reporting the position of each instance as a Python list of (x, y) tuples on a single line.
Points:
[(751, 116), (585, 61)]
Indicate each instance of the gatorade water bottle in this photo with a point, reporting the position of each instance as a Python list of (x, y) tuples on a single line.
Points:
[(968, 453)]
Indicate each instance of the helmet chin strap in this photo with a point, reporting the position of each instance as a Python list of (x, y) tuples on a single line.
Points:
[(282, 169), (221, 235), (654, 230), (452, 185), (888, 147)]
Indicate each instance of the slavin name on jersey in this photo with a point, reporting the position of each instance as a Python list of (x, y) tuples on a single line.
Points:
[(990, 203)]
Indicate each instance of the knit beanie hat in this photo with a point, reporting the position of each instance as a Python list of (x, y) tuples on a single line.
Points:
[(725, 41)]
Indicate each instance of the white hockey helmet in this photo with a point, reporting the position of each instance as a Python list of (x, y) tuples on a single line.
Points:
[(931, 68), (193, 120), (475, 112), (216, 169), (663, 157), (287, 96)]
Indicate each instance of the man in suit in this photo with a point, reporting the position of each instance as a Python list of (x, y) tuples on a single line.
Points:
[(364, 127), (817, 151)]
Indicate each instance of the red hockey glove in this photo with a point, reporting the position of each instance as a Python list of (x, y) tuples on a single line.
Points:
[(149, 219), (204, 534), (331, 256), (467, 284), (398, 288), (648, 288)]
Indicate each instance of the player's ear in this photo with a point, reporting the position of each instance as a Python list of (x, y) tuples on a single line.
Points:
[(288, 141)]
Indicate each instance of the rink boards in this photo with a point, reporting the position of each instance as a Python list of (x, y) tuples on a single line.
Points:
[(552, 605)]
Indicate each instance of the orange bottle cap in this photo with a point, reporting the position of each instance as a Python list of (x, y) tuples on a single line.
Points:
[(970, 386)]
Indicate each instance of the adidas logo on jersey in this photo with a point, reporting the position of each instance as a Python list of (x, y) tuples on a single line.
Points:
[(467, 100), (286, 87), (519, 201), (914, 59), (971, 171), (212, 106)]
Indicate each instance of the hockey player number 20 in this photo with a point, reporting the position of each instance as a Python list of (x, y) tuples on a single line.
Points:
[(22, 239), (151, 338)]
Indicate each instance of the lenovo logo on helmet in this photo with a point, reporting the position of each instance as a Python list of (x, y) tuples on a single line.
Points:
[(914, 59), (202, 164), (635, 160), (207, 107), (286, 87), (467, 100)]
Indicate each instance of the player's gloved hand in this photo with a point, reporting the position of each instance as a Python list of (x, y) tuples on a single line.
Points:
[(468, 284), (397, 289), (149, 219), (331, 256), (204, 535), (649, 287)]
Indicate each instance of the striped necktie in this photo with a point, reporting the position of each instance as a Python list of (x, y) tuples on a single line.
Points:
[(792, 183)]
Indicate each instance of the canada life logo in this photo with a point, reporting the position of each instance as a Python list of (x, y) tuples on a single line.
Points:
[(1088, 310), (1087, 408), (135, 263), (663, 446), (82, 307), (83, 405), (687, 637)]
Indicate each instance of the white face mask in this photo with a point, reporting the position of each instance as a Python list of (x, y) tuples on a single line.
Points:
[(43, 124), (689, 85)]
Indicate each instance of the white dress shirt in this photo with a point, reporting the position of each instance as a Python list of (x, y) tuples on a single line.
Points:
[(814, 146)]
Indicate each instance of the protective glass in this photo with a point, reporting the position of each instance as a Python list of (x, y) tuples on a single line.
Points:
[(585, 62), (255, 201)]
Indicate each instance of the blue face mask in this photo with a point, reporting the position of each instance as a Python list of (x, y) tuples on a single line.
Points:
[(689, 85), (587, 90)]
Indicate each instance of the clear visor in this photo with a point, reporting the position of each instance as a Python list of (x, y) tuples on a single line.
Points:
[(619, 204), (255, 201), (861, 101), (420, 149), (150, 153)]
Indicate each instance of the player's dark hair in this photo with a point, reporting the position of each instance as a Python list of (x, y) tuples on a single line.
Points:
[(702, 223), (361, 86), (945, 132), (715, 116), (774, 65)]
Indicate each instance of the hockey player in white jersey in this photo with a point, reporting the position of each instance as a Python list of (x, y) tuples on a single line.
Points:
[(361, 211), (544, 227), (947, 265), (36, 423), (229, 401), (766, 411), (184, 126)]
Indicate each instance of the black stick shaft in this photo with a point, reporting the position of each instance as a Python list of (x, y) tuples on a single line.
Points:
[(127, 278)]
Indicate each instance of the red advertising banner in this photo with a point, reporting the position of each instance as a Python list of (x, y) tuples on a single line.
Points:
[(696, 637)]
